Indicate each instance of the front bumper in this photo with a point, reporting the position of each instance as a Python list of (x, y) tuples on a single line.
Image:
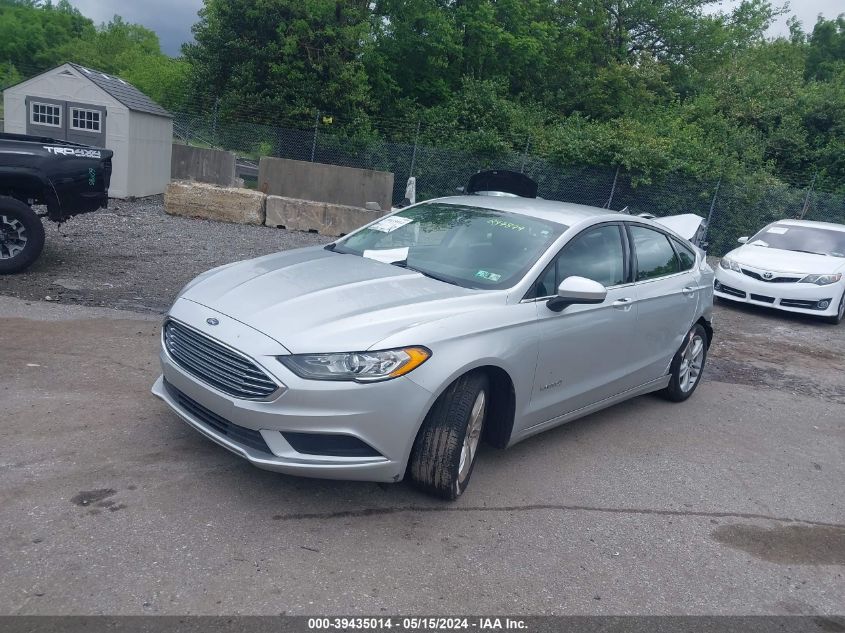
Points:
[(385, 416), (789, 297)]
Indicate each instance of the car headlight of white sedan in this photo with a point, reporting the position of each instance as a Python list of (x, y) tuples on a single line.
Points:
[(357, 366), (729, 264), (821, 280)]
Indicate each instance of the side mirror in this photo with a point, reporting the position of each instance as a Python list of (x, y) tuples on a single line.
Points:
[(576, 290), (742, 240)]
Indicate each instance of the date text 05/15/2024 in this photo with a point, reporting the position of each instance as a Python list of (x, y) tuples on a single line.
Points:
[(417, 623)]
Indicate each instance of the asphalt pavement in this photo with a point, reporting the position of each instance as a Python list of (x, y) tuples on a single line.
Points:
[(730, 503)]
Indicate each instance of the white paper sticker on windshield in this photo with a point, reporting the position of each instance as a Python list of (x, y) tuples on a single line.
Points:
[(387, 255), (778, 230), (483, 274), (391, 223)]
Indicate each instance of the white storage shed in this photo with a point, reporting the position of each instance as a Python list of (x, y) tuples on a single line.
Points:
[(82, 105)]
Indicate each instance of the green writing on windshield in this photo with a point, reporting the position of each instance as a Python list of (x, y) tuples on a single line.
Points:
[(506, 225)]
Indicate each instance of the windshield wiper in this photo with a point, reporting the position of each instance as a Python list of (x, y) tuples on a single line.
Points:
[(404, 264)]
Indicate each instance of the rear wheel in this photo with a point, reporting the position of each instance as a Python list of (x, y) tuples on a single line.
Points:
[(444, 452), (840, 314), (687, 366), (21, 236)]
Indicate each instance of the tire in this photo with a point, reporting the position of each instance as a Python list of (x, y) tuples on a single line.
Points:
[(450, 435), (684, 375), (840, 315), (21, 236)]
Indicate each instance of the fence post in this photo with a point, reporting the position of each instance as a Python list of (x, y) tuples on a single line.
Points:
[(613, 188), (807, 197), (414, 152), (525, 154), (214, 119), (712, 208), (314, 142)]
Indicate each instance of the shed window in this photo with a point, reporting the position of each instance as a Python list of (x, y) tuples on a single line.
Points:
[(45, 114), (87, 120)]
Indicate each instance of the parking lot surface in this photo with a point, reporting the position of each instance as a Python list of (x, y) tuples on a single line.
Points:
[(730, 503)]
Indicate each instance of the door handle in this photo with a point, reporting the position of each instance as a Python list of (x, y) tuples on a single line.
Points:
[(623, 304), (688, 291)]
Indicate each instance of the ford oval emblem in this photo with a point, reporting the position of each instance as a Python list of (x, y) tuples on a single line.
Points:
[(212, 321)]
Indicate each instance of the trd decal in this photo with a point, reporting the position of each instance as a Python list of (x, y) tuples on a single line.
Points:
[(78, 153)]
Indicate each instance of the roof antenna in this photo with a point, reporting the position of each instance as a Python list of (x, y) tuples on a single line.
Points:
[(625, 210)]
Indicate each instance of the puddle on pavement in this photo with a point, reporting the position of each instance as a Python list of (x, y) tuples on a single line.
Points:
[(787, 545)]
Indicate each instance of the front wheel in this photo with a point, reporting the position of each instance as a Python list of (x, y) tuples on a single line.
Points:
[(840, 314), (687, 366), (21, 236), (445, 449)]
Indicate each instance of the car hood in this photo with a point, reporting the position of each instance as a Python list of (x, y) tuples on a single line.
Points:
[(687, 225), (781, 261), (314, 300)]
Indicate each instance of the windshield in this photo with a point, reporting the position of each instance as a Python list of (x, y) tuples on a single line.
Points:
[(466, 246), (802, 239)]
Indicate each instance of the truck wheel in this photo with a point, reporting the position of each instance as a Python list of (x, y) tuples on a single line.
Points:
[(21, 236), (445, 449)]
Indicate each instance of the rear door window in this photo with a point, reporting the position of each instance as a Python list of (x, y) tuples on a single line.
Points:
[(655, 255), (685, 254)]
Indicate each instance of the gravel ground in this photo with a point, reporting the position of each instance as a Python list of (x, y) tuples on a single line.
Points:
[(133, 256)]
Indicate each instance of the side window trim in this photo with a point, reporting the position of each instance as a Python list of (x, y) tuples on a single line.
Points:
[(626, 254)]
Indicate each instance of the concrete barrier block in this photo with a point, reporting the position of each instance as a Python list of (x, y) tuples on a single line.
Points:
[(325, 218), (324, 183), (224, 204), (212, 166)]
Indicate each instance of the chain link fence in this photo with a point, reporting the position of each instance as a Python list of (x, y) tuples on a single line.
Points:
[(733, 209)]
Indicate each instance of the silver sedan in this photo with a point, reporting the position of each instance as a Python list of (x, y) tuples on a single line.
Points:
[(395, 350)]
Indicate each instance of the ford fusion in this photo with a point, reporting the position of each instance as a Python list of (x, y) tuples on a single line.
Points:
[(792, 265), (395, 350)]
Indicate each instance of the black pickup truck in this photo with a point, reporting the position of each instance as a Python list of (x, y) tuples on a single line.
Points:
[(67, 178)]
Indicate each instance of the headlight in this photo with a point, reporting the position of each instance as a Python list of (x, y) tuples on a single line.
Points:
[(821, 280), (357, 366), (729, 264)]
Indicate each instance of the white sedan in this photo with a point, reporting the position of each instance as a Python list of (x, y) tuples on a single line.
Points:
[(791, 265)]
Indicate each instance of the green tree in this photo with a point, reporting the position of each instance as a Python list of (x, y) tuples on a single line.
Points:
[(281, 59), (826, 53)]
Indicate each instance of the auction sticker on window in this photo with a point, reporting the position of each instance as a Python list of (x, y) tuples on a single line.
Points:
[(483, 274), (391, 223), (778, 230)]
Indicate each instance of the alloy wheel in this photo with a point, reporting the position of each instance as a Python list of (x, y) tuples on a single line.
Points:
[(472, 436), (691, 364), (12, 237)]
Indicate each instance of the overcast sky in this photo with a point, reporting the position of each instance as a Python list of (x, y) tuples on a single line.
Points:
[(172, 19)]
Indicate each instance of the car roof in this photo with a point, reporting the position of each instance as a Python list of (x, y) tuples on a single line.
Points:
[(812, 223), (565, 213)]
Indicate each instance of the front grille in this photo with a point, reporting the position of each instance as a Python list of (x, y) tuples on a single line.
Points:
[(801, 303), (238, 434), (720, 287), (773, 280), (216, 364), (762, 298)]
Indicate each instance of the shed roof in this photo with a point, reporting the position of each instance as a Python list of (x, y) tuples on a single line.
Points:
[(124, 92)]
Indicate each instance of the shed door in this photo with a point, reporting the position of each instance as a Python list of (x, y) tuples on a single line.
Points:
[(66, 120)]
